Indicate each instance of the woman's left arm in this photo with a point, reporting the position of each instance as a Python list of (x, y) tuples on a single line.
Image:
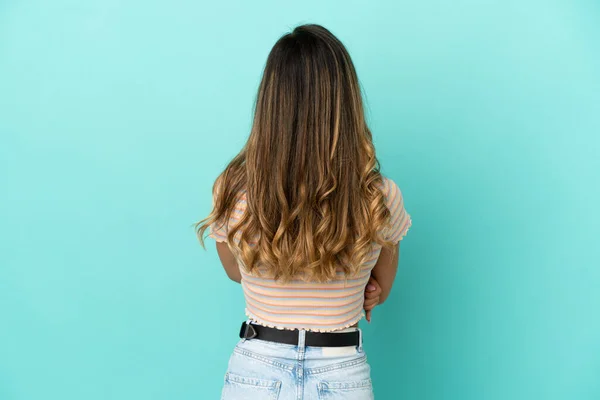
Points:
[(229, 262), (372, 296)]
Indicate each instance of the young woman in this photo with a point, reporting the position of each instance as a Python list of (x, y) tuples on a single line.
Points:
[(305, 221)]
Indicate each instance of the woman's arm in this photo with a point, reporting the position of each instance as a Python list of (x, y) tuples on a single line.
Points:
[(229, 262), (372, 293), (385, 270)]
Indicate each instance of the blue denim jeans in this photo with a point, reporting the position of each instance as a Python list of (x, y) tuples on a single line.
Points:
[(261, 370)]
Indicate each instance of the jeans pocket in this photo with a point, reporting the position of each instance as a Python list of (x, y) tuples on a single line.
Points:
[(239, 388), (349, 390)]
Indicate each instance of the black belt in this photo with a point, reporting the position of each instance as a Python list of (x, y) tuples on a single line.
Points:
[(313, 339)]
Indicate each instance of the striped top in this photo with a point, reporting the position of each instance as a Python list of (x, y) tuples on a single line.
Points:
[(314, 306)]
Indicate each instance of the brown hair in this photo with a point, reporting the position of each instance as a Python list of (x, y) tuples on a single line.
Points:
[(312, 180)]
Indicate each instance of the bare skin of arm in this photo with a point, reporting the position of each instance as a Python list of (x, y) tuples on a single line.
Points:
[(385, 270), (229, 262)]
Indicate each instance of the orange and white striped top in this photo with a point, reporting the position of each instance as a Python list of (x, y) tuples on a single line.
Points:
[(315, 306)]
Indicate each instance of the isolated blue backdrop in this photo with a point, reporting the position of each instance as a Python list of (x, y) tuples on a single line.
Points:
[(115, 118)]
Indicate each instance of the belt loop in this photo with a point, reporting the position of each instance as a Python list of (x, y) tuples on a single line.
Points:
[(360, 341), (301, 339)]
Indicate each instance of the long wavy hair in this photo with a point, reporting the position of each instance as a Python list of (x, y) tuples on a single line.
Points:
[(309, 171)]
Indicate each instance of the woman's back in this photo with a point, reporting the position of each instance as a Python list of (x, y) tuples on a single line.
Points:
[(315, 306)]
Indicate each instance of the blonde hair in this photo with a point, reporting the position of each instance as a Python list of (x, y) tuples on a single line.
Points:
[(313, 187)]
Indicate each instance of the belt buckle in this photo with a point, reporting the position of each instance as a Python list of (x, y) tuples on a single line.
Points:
[(248, 328)]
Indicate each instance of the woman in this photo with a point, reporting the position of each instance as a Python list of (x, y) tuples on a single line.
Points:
[(304, 220)]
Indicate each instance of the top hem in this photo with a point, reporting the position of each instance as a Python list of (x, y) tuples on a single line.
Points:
[(259, 321)]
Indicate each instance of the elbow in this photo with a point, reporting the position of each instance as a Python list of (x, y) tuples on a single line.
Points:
[(383, 297), (235, 276)]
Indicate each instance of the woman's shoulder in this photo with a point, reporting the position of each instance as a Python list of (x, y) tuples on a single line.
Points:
[(389, 188), (218, 187)]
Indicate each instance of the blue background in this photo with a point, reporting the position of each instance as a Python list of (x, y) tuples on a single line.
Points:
[(115, 118)]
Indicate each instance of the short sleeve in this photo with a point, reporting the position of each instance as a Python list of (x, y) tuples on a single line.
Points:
[(218, 232), (400, 219)]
